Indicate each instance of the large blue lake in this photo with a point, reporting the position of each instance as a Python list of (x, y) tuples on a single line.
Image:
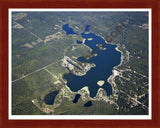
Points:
[(104, 61)]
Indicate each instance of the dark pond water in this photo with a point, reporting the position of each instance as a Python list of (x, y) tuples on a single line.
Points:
[(79, 42), (76, 98), (87, 28), (68, 30), (49, 98), (88, 104), (104, 61)]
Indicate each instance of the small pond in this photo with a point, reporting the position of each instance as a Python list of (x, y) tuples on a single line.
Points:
[(49, 98)]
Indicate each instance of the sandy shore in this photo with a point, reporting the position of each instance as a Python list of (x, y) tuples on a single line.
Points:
[(90, 39), (86, 32), (56, 82), (84, 41), (99, 94), (68, 89), (86, 89), (115, 72), (100, 82), (112, 77), (121, 56)]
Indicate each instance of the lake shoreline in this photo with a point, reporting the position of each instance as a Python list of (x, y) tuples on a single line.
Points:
[(115, 72)]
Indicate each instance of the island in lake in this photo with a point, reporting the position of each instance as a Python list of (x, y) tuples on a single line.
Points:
[(80, 63)]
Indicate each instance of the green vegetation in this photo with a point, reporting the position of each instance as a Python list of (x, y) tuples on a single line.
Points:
[(24, 91), (38, 57), (79, 50), (98, 108), (39, 45), (57, 70), (136, 43), (22, 99)]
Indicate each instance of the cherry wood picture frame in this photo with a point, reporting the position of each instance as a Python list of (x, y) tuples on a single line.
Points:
[(107, 4)]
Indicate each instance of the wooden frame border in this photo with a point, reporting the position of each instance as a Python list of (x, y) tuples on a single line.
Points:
[(6, 4)]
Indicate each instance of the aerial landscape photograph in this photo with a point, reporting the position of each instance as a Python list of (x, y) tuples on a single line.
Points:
[(84, 62)]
